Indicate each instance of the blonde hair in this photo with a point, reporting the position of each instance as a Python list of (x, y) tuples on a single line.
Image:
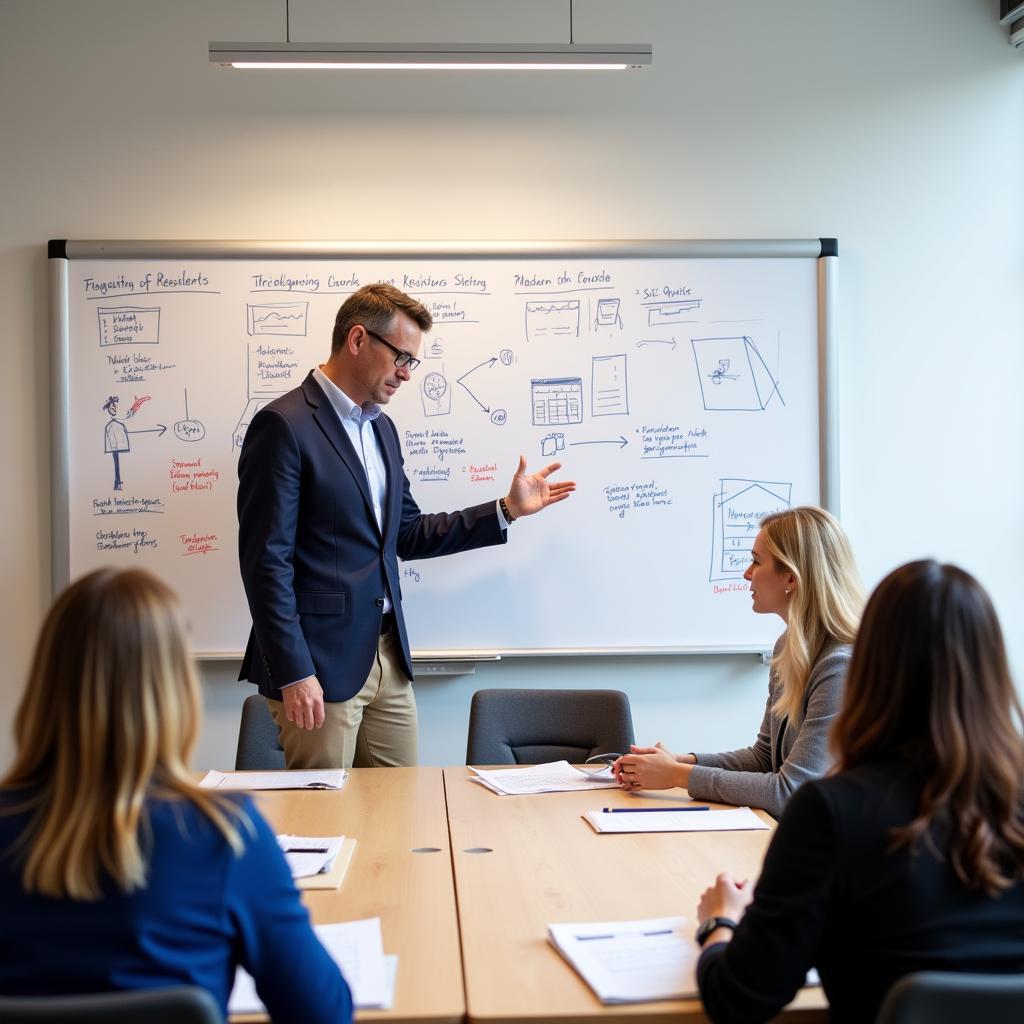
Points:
[(109, 718), (826, 604)]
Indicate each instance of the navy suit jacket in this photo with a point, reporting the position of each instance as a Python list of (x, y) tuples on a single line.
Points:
[(204, 910), (314, 563)]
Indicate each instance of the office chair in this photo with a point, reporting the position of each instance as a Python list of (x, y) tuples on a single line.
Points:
[(258, 746), (946, 997), (184, 1004), (537, 726)]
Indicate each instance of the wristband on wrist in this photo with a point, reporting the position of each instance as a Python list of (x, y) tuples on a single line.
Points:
[(509, 518), (710, 925)]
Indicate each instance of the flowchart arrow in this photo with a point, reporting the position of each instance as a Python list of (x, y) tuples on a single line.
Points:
[(461, 380), (620, 441), (656, 341), (159, 429)]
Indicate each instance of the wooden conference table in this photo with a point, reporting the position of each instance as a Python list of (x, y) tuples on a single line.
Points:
[(466, 883)]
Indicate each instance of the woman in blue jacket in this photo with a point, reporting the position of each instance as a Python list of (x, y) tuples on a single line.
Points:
[(116, 870)]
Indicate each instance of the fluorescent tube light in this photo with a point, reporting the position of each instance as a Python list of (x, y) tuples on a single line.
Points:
[(434, 56)]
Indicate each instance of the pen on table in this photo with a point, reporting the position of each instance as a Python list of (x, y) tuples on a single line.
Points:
[(651, 810), (305, 849)]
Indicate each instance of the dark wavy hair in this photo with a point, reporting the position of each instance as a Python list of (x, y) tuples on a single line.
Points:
[(929, 680)]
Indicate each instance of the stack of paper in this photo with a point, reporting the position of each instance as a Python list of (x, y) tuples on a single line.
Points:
[(309, 855), (315, 778), (556, 777), (664, 819), (631, 961), (355, 946), (317, 862)]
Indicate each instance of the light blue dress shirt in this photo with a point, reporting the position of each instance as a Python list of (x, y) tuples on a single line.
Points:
[(357, 422)]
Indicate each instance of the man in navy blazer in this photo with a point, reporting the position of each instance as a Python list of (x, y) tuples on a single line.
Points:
[(324, 514)]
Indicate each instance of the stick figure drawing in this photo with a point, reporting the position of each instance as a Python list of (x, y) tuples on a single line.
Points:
[(115, 433)]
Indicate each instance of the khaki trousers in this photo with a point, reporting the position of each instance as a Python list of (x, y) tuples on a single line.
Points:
[(377, 728)]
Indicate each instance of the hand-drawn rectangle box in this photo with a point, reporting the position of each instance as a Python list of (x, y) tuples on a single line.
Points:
[(609, 394), (129, 325), (660, 313), (608, 313), (557, 400), (281, 318), (739, 507), (553, 319)]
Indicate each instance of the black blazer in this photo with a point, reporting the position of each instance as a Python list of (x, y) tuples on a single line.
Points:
[(832, 895), (315, 565)]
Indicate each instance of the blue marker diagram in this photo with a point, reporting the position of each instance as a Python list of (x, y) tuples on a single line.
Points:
[(609, 393), (435, 393), (660, 313), (739, 505), (608, 314), (129, 325), (269, 376), (281, 318), (733, 375), (556, 400), (553, 319)]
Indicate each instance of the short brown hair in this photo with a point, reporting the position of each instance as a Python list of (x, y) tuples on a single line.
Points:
[(929, 682), (375, 306)]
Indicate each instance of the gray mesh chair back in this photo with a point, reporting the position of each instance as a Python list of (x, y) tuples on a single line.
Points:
[(537, 726), (947, 997), (183, 1004), (258, 745)]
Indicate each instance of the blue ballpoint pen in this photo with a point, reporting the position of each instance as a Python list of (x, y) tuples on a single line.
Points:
[(651, 810)]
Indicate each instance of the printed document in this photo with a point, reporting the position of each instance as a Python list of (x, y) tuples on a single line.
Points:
[(355, 946), (315, 778), (310, 855), (556, 777), (738, 820), (631, 961)]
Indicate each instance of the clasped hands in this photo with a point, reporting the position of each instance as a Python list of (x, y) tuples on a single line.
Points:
[(652, 768)]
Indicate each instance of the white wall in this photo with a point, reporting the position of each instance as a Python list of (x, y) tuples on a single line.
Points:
[(896, 127)]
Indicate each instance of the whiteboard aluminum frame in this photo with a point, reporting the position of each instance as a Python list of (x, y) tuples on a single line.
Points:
[(62, 251)]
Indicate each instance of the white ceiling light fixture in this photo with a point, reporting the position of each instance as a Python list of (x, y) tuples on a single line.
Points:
[(569, 56)]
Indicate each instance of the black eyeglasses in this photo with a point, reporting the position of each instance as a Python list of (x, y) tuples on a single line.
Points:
[(401, 358)]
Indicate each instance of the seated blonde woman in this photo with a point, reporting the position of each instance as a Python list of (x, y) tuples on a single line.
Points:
[(116, 870), (802, 570)]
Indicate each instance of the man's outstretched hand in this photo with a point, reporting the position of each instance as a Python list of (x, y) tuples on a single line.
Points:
[(533, 492)]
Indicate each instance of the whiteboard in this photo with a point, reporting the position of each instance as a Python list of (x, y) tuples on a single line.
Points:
[(685, 387)]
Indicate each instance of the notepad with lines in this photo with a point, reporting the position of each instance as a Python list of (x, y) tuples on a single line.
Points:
[(734, 820), (317, 862), (631, 961)]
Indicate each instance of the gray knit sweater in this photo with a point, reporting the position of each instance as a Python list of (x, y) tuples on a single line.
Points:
[(769, 772)]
